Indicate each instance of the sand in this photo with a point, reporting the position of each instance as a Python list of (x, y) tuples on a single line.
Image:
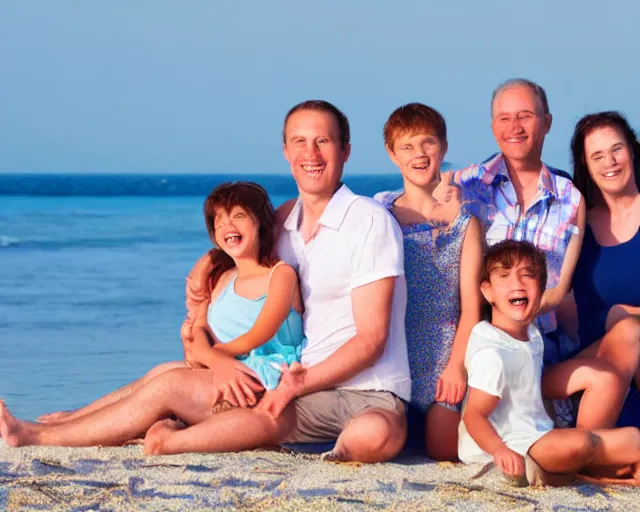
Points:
[(83, 479)]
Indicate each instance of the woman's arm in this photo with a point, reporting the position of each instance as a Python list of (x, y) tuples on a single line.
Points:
[(280, 296), (452, 383), (553, 297)]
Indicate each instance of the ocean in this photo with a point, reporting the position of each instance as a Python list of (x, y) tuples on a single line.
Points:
[(92, 274)]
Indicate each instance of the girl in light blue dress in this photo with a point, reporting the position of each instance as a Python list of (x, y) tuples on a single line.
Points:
[(252, 310), (443, 257)]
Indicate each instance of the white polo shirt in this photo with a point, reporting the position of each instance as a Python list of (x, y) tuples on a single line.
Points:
[(357, 242)]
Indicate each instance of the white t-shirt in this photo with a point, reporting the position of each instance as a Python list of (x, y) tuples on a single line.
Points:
[(510, 369), (358, 242)]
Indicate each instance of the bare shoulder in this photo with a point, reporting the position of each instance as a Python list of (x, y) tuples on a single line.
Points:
[(284, 273), (224, 280)]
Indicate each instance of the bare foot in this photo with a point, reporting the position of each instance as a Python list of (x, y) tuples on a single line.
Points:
[(13, 431), (54, 417), (156, 435)]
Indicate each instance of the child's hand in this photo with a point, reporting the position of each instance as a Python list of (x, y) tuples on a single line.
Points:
[(451, 385), (509, 462)]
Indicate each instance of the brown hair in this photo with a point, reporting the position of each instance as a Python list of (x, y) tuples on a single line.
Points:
[(509, 253), (414, 118), (589, 123), (254, 199), (321, 106)]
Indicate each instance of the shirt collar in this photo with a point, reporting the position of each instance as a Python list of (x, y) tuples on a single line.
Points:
[(495, 171), (333, 214)]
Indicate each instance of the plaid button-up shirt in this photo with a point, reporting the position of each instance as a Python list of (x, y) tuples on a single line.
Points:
[(548, 223)]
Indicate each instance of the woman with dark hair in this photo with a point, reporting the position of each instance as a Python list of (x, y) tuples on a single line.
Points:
[(606, 282), (253, 305)]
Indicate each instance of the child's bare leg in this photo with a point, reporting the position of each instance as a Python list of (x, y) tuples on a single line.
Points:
[(565, 450), (617, 447), (572, 450), (604, 390), (441, 433), (114, 396)]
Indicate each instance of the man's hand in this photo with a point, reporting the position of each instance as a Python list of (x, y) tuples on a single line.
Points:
[(451, 385), (446, 191), (509, 462), (291, 383)]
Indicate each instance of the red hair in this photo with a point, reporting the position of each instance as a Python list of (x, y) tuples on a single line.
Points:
[(254, 199), (413, 119)]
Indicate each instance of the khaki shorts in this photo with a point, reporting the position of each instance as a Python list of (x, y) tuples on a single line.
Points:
[(321, 417)]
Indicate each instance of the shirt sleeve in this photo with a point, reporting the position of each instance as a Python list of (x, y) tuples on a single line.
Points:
[(377, 249), (485, 371), (574, 206)]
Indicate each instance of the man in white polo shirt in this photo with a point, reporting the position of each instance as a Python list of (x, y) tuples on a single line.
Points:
[(348, 252)]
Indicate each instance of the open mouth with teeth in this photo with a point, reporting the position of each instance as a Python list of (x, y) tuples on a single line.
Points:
[(233, 238), (517, 139), (519, 301), (313, 170), (611, 174)]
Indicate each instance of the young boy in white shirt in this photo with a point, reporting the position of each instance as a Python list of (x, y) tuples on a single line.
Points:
[(504, 418)]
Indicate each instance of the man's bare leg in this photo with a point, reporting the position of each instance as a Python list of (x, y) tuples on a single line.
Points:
[(229, 431), (188, 394), (114, 396), (441, 435), (376, 435)]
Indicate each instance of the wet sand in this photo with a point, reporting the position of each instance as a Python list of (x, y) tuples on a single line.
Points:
[(123, 479)]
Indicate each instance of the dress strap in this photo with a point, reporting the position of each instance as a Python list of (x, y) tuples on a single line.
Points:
[(272, 270)]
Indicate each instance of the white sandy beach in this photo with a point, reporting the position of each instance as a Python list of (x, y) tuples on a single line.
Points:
[(123, 479)]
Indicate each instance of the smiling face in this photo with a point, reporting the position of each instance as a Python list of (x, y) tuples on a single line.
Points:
[(315, 152), (514, 294), (419, 157), (237, 233), (609, 160), (519, 124)]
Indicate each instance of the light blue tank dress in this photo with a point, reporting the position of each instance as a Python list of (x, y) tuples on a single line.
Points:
[(231, 315), (432, 271)]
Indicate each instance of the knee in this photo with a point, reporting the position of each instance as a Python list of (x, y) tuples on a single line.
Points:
[(582, 446), (377, 437), (627, 332), (165, 382), (601, 375)]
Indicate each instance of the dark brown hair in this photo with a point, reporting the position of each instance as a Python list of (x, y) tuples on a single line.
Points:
[(581, 177), (254, 199), (414, 118), (321, 106), (509, 253)]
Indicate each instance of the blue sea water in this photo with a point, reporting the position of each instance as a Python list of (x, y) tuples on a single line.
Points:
[(92, 274)]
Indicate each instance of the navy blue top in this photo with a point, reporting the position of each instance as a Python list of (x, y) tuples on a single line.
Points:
[(604, 277)]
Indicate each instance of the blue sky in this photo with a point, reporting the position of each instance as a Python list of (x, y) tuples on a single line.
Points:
[(202, 86)]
